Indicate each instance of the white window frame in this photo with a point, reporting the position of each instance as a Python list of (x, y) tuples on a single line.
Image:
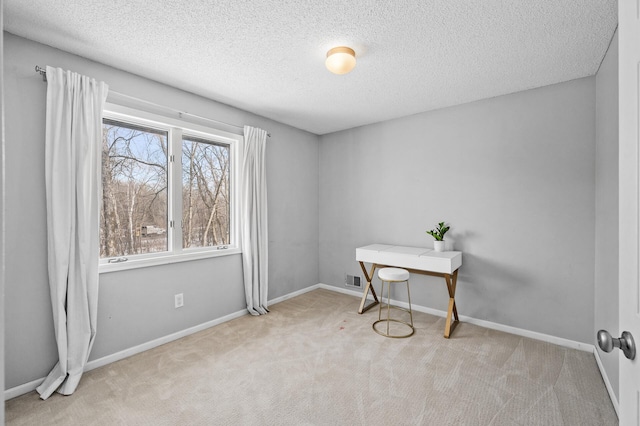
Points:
[(175, 128)]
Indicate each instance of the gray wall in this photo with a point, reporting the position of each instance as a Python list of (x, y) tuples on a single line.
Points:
[(513, 175), (136, 306), (2, 227), (606, 233)]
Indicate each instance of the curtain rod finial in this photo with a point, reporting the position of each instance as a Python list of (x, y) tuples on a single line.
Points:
[(42, 71)]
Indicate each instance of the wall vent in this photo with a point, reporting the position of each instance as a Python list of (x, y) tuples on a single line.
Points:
[(352, 281)]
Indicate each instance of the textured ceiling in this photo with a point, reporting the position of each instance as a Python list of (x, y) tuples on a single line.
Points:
[(267, 56)]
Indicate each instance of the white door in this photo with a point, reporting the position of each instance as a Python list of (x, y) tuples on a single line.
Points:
[(629, 286)]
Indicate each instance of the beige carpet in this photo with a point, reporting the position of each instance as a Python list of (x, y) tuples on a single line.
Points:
[(314, 361)]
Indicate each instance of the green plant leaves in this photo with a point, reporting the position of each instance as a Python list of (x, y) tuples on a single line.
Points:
[(439, 232)]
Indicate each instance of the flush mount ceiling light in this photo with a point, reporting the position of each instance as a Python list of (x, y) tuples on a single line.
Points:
[(340, 60)]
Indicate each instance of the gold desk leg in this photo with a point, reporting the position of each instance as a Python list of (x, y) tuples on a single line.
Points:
[(452, 311), (368, 287)]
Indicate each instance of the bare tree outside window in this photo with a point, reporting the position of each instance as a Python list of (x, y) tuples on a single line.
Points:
[(134, 215), (205, 193)]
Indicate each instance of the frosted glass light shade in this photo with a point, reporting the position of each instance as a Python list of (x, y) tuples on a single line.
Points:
[(340, 60)]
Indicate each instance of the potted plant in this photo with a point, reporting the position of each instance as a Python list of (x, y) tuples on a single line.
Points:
[(438, 234)]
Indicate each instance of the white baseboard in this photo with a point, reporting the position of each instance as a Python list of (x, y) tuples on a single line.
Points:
[(482, 323), (100, 362), (294, 294), (22, 389), (507, 329), (28, 387), (607, 383), (180, 334)]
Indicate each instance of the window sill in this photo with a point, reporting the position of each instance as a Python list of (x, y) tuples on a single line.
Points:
[(165, 259)]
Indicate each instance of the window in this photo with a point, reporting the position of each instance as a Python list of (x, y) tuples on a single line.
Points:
[(167, 190), (133, 218), (205, 193)]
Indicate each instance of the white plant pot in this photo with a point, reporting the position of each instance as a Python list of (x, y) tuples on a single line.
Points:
[(438, 245)]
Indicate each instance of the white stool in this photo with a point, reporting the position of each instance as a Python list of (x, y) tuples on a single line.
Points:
[(393, 275)]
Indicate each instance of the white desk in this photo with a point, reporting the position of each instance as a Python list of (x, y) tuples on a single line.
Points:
[(416, 260)]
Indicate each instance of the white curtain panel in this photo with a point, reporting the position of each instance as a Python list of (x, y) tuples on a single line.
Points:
[(72, 171), (253, 219)]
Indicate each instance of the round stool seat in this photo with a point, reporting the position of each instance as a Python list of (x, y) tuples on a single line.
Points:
[(393, 274)]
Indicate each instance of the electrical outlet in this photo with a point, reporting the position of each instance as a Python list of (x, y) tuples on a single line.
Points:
[(179, 300)]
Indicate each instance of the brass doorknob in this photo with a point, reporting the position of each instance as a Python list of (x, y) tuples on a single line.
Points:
[(624, 343)]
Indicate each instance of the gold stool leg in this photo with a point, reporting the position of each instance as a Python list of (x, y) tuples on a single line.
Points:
[(381, 300), (388, 307), (409, 297), (389, 319)]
